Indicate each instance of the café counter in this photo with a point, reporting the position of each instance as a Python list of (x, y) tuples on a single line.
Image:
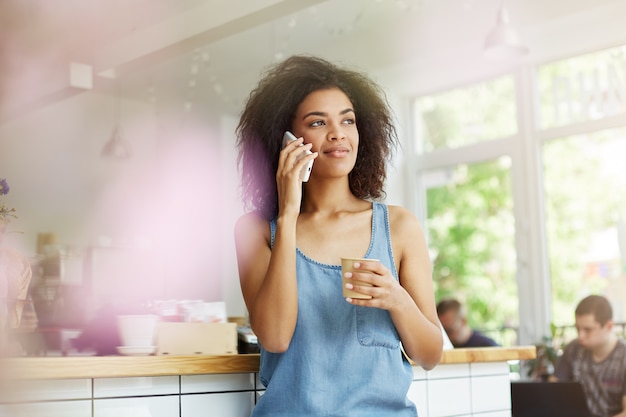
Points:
[(190, 386)]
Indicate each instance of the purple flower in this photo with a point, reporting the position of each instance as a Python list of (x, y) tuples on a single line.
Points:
[(5, 213), (4, 186)]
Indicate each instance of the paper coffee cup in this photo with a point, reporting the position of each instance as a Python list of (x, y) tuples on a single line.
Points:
[(347, 265)]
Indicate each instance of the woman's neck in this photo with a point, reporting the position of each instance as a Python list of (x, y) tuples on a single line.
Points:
[(329, 196)]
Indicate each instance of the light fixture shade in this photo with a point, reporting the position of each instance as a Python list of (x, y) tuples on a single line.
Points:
[(503, 41), (116, 147)]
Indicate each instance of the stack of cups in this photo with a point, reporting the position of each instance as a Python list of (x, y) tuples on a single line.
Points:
[(137, 334)]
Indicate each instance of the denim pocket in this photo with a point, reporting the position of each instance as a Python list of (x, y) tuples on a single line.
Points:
[(374, 327)]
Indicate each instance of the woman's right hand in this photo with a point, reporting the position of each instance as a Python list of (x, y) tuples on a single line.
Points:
[(288, 182)]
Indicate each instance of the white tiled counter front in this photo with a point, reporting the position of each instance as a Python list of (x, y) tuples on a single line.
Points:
[(136, 396), (43, 398), (231, 395), (463, 390), (228, 395), (467, 382)]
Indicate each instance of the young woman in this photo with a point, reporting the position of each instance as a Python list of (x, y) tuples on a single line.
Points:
[(322, 354)]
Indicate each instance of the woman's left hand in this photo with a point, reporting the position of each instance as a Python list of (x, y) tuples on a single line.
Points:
[(384, 288)]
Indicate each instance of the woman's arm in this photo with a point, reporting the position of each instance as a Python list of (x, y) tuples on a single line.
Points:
[(415, 315), (268, 280), (411, 301), (268, 275)]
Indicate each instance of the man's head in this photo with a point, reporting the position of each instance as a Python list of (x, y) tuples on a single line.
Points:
[(453, 320), (594, 321)]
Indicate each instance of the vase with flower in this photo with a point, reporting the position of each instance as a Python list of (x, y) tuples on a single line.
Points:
[(6, 214), (15, 277)]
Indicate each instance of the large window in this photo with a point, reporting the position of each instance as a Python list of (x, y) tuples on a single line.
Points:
[(585, 179), (585, 186), (469, 202), (538, 201), (582, 88), (471, 229), (466, 115)]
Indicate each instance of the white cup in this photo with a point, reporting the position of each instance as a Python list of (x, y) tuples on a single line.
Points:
[(137, 330), (347, 265)]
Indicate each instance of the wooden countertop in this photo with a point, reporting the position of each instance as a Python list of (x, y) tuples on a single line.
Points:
[(488, 354), (69, 367)]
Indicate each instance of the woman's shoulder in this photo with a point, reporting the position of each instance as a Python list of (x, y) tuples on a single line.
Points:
[(404, 224), (252, 217), (250, 223), (398, 210), (402, 217)]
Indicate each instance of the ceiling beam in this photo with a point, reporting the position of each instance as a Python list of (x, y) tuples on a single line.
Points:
[(190, 30), (176, 36)]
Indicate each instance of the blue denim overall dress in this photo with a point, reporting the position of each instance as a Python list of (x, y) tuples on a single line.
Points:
[(343, 360)]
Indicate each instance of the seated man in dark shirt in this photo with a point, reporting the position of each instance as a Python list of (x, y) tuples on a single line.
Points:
[(596, 358), (454, 322)]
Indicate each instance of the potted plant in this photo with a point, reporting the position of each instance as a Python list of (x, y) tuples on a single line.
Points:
[(544, 364)]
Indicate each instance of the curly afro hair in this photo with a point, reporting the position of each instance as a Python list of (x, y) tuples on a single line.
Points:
[(270, 111)]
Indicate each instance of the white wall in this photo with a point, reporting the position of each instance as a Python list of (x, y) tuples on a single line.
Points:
[(180, 190), (175, 195)]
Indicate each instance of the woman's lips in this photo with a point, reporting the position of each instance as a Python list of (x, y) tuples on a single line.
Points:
[(338, 152)]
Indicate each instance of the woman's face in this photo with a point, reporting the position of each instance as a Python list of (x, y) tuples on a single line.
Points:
[(326, 119)]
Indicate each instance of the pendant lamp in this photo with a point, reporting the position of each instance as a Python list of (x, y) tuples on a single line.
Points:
[(503, 41), (116, 147)]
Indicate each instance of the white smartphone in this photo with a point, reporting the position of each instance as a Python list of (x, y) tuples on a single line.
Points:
[(306, 170)]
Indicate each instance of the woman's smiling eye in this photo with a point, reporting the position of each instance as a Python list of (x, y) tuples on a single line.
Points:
[(317, 123), (349, 121)]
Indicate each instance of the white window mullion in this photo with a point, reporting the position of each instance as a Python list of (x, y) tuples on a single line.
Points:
[(470, 154), (533, 278)]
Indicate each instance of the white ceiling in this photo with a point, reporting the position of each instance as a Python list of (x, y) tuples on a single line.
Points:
[(207, 53), (158, 47)]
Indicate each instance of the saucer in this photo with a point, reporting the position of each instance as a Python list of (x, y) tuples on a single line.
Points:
[(136, 350)]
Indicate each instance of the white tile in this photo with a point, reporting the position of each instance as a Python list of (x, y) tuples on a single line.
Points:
[(42, 390), (235, 404), (167, 406), (259, 384), (258, 395), (504, 413), (217, 383), (489, 368), (127, 387), (455, 370), (418, 393), (80, 408), (491, 393), (419, 373), (449, 397)]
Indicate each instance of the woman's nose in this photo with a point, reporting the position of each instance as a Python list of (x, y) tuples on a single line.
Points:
[(336, 133)]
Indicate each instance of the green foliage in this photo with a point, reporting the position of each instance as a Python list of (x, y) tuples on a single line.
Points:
[(583, 196), (471, 225), (470, 220), (545, 360)]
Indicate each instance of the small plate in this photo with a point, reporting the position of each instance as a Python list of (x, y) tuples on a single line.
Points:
[(136, 350)]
